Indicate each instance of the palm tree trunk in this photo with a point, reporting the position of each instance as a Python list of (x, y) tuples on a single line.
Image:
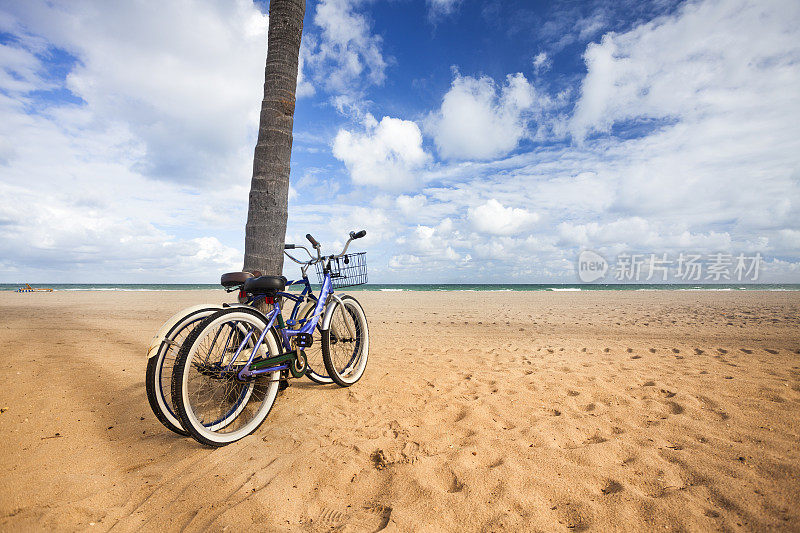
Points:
[(269, 190)]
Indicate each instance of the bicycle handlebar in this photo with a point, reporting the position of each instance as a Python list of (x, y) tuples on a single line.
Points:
[(353, 236), (312, 240)]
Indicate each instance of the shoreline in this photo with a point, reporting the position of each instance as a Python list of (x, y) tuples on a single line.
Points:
[(432, 288)]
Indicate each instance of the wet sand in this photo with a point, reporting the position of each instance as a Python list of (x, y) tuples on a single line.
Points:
[(478, 411)]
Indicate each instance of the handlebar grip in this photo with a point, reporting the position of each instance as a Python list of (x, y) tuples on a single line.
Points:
[(358, 235), (312, 240), (288, 246)]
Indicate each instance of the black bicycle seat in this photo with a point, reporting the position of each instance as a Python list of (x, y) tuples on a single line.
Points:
[(265, 284)]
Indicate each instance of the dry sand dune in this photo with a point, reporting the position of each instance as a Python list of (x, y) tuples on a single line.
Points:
[(478, 411)]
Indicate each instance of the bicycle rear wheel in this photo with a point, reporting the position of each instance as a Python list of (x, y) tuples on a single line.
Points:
[(158, 378), (345, 342), (214, 406)]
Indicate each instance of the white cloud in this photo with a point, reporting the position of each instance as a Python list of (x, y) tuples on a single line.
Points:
[(474, 122), (705, 158), (64, 237), (704, 61), (435, 244), (354, 218), (346, 56), (541, 62), (494, 218), (388, 154), (437, 8), (404, 261), (20, 70), (173, 97), (304, 87), (409, 205), (186, 83)]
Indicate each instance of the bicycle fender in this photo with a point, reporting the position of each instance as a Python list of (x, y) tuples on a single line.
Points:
[(326, 320), (161, 335), (246, 306)]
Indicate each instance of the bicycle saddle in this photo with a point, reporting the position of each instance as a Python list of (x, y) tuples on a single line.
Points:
[(232, 279), (265, 284)]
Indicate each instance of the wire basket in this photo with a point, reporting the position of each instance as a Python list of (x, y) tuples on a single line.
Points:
[(346, 271)]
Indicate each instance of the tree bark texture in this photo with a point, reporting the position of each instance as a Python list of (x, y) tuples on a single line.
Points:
[(269, 189)]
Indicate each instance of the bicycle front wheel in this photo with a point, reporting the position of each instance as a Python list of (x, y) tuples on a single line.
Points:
[(316, 371), (214, 406), (345, 342)]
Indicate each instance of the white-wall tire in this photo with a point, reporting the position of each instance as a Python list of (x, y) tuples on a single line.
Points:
[(345, 340), (254, 398), (161, 359)]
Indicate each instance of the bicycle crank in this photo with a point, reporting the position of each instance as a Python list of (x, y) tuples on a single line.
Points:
[(299, 365)]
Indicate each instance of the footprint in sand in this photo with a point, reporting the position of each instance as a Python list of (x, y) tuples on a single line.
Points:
[(723, 351), (652, 350), (572, 516), (629, 350), (745, 350), (455, 485), (373, 517), (667, 394), (773, 352), (611, 487), (330, 518), (712, 406), (636, 357), (698, 351), (595, 439), (379, 460), (572, 393), (648, 384), (589, 408), (497, 463), (675, 350), (675, 408)]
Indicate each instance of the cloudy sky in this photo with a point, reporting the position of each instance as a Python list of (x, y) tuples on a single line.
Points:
[(476, 141)]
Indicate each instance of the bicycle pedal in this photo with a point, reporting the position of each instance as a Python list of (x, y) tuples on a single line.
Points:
[(304, 340)]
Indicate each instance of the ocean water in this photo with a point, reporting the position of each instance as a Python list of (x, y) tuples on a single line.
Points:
[(429, 287)]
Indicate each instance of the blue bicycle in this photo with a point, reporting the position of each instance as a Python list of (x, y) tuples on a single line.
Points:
[(226, 375)]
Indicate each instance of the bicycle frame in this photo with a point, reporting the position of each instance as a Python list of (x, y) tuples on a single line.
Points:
[(275, 316)]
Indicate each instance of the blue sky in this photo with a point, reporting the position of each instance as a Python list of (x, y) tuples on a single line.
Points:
[(475, 141)]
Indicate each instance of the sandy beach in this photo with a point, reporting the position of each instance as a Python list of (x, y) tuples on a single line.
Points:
[(479, 411)]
